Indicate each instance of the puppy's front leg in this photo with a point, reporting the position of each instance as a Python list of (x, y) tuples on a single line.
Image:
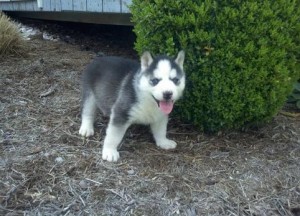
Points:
[(159, 130), (114, 135)]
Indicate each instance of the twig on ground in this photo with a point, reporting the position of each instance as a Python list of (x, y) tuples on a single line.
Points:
[(71, 135), (242, 189), (60, 124), (83, 203), (49, 91), (91, 180)]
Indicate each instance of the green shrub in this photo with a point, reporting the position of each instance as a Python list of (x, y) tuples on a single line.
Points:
[(240, 55), (11, 40)]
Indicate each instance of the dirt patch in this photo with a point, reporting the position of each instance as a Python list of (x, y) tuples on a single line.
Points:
[(46, 168)]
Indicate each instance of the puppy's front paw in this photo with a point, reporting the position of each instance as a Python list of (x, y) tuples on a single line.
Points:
[(111, 155), (166, 144), (86, 130)]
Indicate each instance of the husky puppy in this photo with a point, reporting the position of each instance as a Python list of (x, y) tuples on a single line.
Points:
[(131, 93)]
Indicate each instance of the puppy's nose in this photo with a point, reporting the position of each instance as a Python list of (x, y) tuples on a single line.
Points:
[(167, 95)]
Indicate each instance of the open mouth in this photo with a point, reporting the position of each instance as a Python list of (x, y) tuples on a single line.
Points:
[(166, 106)]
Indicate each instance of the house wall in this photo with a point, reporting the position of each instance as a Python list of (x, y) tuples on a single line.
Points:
[(113, 12), (102, 6)]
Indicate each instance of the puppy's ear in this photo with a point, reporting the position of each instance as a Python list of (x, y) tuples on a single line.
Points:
[(180, 59), (146, 60)]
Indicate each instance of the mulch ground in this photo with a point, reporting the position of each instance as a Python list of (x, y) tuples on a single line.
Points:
[(46, 168)]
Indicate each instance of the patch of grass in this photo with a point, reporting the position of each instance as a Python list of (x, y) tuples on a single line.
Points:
[(11, 41)]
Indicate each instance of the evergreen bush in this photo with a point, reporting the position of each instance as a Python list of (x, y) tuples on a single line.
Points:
[(241, 56)]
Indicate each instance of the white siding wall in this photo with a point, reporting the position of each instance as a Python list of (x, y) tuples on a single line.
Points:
[(111, 6)]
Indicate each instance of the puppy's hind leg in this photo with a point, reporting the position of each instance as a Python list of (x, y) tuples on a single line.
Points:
[(88, 116), (159, 130)]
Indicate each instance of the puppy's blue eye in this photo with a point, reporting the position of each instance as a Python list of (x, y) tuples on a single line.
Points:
[(154, 81), (175, 81)]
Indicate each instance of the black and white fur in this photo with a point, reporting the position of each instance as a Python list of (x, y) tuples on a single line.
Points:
[(129, 93)]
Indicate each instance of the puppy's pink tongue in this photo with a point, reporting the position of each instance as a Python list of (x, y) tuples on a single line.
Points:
[(166, 106)]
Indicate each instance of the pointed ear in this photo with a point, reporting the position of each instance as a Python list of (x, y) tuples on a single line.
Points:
[(146, 60), (180, 59)]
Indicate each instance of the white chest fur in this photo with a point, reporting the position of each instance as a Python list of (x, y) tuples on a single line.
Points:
[(146, 111)]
